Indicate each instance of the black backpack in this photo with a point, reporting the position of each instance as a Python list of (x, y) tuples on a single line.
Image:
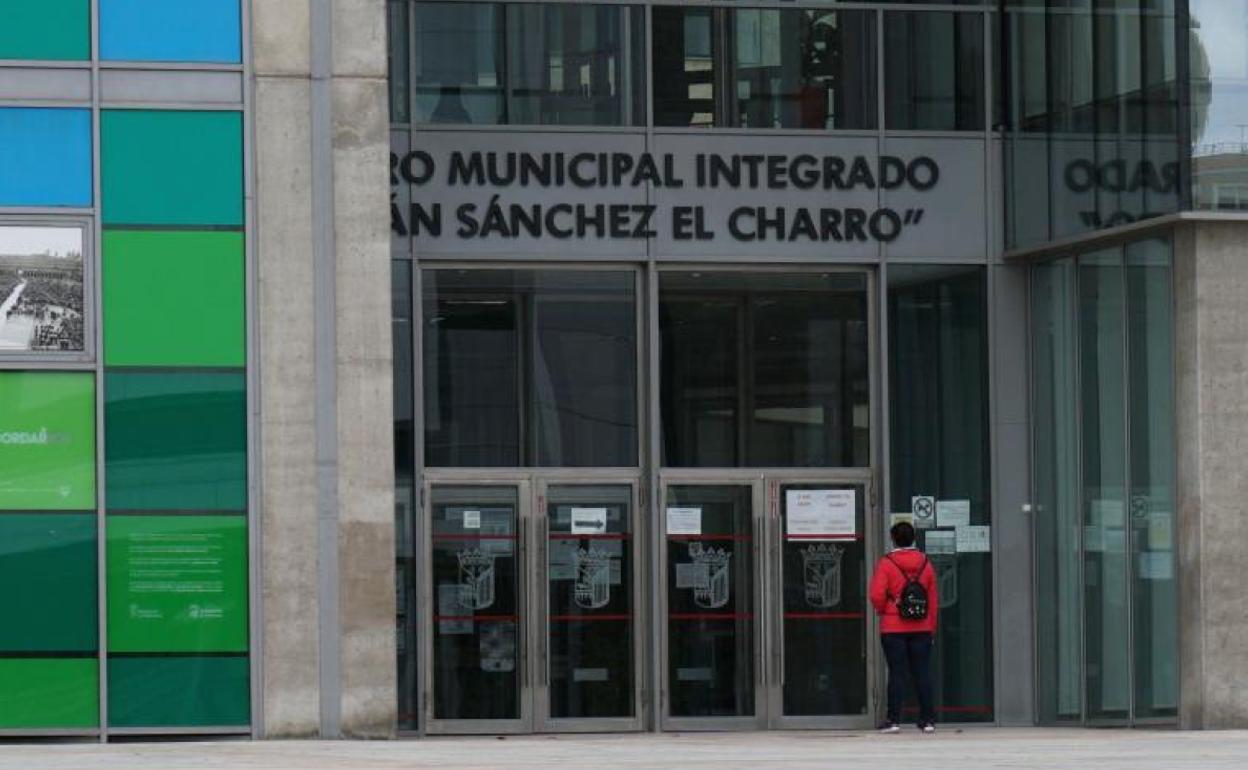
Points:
[(912, 603)]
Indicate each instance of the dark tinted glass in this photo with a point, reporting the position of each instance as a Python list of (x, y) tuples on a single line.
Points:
[(764, 370), (530, 368), (934, 71)]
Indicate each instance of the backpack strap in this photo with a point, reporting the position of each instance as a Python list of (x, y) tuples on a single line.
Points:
[(918, 573)]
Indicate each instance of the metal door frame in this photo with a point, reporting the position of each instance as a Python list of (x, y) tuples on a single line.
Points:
[(531, 658), (538, 571), (717, 478), (434, 726), (776, 719)]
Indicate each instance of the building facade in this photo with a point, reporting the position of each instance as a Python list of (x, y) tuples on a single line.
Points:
[(687, 304)]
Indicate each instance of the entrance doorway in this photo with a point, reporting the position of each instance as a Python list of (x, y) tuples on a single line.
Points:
[(764, 615), (532, 594)]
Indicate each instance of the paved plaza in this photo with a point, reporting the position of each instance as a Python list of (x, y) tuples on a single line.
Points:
[(949, 750)]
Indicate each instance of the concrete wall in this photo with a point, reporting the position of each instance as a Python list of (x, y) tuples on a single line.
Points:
[(327, 486), (1211, 345)]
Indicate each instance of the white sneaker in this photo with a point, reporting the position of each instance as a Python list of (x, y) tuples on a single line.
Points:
[(890, 728), (928, 728)]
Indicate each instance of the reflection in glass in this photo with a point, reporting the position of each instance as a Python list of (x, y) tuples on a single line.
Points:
[(1102, 385), (1219, 95), (824, 618), (399, 59), (940, 447), (530, 368), (934, 71), (787, 68), (590, 601), (764, 370), (541, 64), (41, 289), (710, 601), (1150, 360), (1055, 474), (477, 644)]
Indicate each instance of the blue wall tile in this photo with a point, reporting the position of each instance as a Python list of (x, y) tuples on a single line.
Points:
[(171, 30), (45, 157)]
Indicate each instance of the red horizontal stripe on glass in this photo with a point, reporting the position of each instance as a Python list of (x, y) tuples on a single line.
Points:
[(609, 536), (578, 618), (824, 616), (741, 538), (711, 616), (482, 618), (444, 536), (846, 538), (953, 709)]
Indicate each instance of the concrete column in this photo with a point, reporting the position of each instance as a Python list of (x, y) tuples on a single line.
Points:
[(1211, 347), (327, 485)]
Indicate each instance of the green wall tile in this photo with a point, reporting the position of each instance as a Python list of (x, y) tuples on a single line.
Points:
[(47, 565), (173, 298), (177, 584), (175, 441), (45, 29), (178, 692), (38, 693), (171, 167), (47, 441)]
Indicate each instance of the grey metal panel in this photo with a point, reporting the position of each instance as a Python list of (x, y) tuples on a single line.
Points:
[(147, 86), (954, 211), (45, 84), (1012, 590)]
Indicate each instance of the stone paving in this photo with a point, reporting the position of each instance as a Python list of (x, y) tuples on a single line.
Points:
[(950, 749)]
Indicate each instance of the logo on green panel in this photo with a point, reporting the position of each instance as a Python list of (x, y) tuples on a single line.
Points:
[(47, 441)]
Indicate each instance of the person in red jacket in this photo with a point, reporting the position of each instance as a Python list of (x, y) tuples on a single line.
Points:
[(907, 643)]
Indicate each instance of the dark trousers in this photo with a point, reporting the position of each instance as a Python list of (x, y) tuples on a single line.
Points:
[(909, 655)]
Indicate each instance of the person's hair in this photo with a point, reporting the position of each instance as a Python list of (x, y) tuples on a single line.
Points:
[(903, 534)]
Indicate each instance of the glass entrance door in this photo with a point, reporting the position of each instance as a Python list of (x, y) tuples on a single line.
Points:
[(530, 598), (764, 601)]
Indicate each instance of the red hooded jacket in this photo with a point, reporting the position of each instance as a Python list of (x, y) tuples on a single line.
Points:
[(887, 583)]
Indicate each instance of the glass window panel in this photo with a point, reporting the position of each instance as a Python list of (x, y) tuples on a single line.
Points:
[(176, 441), (1150, 338), (179, 691), (47, 29), (477, 644), (177, 584), (1102, 349), (685, 50), (530, 368), (49, 561), (40, 694), (1055, 479), (47, 441), (140, 184), (934, 71), (399, 59), (710, 602), (591, 617), (803, 69), (159, 30), (785, 382), (45, 155), (540, 64), (42, 292), (174, 298), (1219, 99), (405, 493), (940, 447)]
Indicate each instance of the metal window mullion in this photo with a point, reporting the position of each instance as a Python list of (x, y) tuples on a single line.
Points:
[(1128, 529), (1081, 566), (651, 524), (101, 541)]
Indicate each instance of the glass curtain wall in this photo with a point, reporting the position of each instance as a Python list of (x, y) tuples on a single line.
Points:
[(1092, 115), (938, 406), (1103, 454), (1218, 55)]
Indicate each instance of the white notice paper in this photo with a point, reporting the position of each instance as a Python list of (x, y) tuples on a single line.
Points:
[(924, 509), (821, 514), (472, 519), (940, 541), (897, 518), (589, 521), (976, 539), (953, 513), (684, 521)]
